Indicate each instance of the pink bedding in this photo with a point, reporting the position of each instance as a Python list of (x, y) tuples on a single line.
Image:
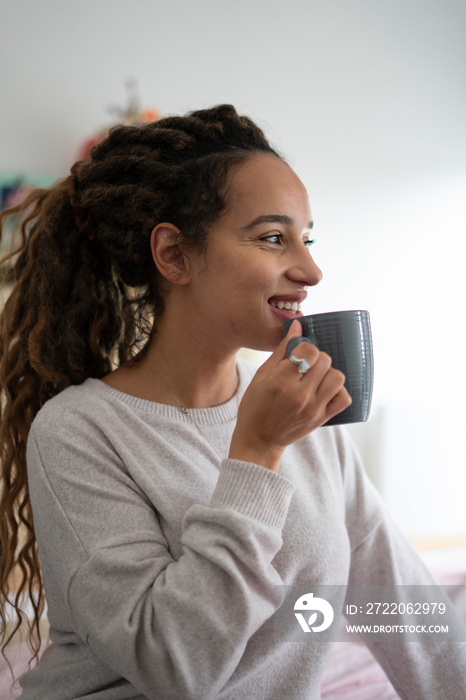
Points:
[(352, 672), (19, 656)]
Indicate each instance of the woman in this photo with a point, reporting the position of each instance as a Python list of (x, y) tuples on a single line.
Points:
[(172, 489)]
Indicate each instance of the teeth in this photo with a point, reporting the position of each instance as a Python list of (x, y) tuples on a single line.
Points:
[(295, 306)]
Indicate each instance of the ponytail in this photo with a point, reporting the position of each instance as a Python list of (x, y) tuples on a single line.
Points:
[(66, 318)]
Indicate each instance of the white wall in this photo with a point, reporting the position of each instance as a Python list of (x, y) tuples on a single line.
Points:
[(368, 101)]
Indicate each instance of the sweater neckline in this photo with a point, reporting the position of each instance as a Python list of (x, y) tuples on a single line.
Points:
[(212, 414)]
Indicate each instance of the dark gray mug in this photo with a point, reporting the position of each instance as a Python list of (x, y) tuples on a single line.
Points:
[(346, 337)]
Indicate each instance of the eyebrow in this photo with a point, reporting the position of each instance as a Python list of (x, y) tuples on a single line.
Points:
[(272, 219)]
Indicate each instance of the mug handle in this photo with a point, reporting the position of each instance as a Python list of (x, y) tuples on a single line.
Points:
[(296, 341)]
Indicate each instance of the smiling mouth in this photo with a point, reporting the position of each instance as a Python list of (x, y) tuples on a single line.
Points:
[(294, 306), (285, 310)]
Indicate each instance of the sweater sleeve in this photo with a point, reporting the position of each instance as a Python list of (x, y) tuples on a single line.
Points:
[(172, 628), (380, 554)]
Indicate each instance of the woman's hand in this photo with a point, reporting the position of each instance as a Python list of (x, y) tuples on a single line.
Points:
[(282, 406)]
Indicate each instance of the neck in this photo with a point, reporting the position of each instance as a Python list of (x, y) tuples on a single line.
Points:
[(181, 368), (190, 376)]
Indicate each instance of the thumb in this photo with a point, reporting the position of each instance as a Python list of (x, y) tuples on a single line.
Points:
[(279, 354)]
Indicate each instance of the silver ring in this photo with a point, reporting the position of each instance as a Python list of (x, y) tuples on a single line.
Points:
[(303, 365)]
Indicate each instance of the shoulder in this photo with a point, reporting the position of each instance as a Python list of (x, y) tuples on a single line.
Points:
[(74, 436), (85, 399), (80, 413)]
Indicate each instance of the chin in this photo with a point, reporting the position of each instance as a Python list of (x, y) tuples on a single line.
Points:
[(266, 344)]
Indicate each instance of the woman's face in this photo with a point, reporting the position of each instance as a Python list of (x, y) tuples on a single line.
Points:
[(257, 262)]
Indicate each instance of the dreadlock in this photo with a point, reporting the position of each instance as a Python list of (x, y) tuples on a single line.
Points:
[(86, 294)]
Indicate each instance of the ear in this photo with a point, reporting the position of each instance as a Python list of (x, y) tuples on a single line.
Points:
[(166, 254)]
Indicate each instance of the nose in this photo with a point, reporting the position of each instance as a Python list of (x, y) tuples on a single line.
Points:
[(303, 269)]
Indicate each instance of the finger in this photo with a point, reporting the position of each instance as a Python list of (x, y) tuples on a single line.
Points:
[(331, 387), (310, 354), (330, 398), (319, 365), (340, 401)]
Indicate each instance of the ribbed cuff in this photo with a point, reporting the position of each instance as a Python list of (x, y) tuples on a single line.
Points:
[(254, 491)]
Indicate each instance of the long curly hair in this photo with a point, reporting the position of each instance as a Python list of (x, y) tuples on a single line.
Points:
[(86, 294)]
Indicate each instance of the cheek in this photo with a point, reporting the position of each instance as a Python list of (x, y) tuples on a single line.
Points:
[(249, 284), (245, 278), (252, 270)]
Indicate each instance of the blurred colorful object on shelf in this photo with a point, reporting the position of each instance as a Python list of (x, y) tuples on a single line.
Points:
[(131, 115)]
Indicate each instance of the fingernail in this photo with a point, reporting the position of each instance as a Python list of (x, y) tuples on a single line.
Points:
[(294, 325)]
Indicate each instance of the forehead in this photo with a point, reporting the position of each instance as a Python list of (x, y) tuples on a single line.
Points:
[(265, 184)]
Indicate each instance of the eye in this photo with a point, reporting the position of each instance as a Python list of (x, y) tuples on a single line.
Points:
[(309, 242), (272, 238)]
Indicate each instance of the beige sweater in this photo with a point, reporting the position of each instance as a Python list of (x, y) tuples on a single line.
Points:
[(161, 562)]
